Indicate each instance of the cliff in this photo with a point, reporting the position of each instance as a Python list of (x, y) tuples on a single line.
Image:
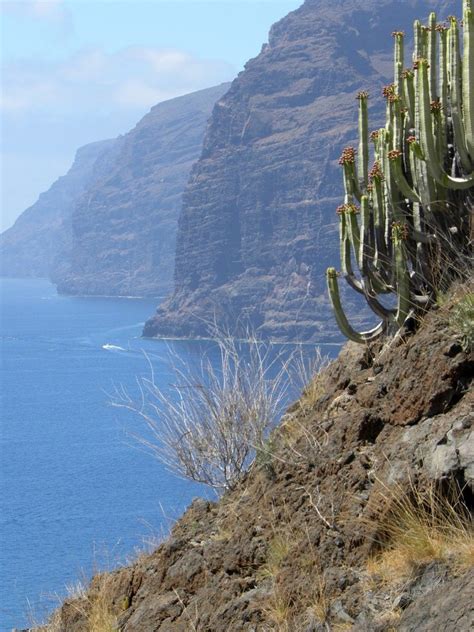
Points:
[(39, 241), (330, 529), (124, 227), (258, 225)]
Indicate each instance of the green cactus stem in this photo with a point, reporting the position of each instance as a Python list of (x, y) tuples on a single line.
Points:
[(378, 203), (443, 78), (351, 185), (343, 323), (417, 38), (413, 227), (409, 94), (398, 57), (468, 77), (432, 37), (426, 136), (372, 280), (363, 162), (400, 235), (396, 170), (454, 74), (345, 243)]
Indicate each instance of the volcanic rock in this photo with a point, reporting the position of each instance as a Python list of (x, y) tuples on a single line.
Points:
[(258, 226), (124, 227), (38, 244)]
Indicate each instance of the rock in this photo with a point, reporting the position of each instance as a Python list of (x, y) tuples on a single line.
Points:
[(38, 244), (163, 607), (258, 225), (337, 611), (402, 601), (455, 452), (297, 546), (449, 607), (124, 227), (185, 569)]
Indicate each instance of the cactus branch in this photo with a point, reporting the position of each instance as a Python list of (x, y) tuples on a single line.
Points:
[(414, 221)]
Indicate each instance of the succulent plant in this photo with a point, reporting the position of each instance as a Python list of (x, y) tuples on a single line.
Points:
[(413, 226)]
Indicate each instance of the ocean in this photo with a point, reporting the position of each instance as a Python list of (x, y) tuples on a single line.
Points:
[(77, 491)]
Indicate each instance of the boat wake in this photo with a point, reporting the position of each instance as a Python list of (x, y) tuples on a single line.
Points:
[(109, 347)]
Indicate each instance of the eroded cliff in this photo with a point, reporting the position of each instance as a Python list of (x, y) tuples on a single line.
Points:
[(38, 244), (258, 226), (124, 226)]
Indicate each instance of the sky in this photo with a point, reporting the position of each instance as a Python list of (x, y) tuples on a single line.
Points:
[(77, 71)]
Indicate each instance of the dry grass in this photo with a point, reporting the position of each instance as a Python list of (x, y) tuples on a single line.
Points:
[(93, 606), (278, 611), (389, 619), (462, 321), (320, 607), (229, 513), (98, 612), (211, 422), (300, 437), (315, 388), (278, 550), (422, 526), (289, 609), (298, 434), (458, 304), (295, 604)]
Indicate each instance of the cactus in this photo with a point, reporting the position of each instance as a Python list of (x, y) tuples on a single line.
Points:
[(413, 224)]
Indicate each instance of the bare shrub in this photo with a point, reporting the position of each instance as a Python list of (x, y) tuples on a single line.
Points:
[(208, 424)]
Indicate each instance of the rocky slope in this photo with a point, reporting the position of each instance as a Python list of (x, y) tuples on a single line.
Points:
[(123, 228), (258, 226), (37, 244), (303, 544)]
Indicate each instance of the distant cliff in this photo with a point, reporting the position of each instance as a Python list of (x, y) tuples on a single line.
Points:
[(38, 243), (124, 227), (258, 225)]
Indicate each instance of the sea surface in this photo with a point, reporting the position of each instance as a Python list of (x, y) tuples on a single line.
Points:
[(77, 493)]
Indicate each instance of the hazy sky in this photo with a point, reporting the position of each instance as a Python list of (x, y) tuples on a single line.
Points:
[(76, 71)]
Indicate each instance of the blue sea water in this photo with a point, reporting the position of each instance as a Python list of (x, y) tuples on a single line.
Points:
[(76, 491)]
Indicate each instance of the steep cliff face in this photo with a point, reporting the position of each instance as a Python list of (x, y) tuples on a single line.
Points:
[(258, 226), (124, 227), (37, 244)]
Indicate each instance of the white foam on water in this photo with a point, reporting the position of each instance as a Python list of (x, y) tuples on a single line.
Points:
[(109, 347)]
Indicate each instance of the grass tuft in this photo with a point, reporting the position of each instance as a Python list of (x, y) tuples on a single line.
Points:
[(96, 608), (320, 607), (422, 526), (462, 321), (278, 550)]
